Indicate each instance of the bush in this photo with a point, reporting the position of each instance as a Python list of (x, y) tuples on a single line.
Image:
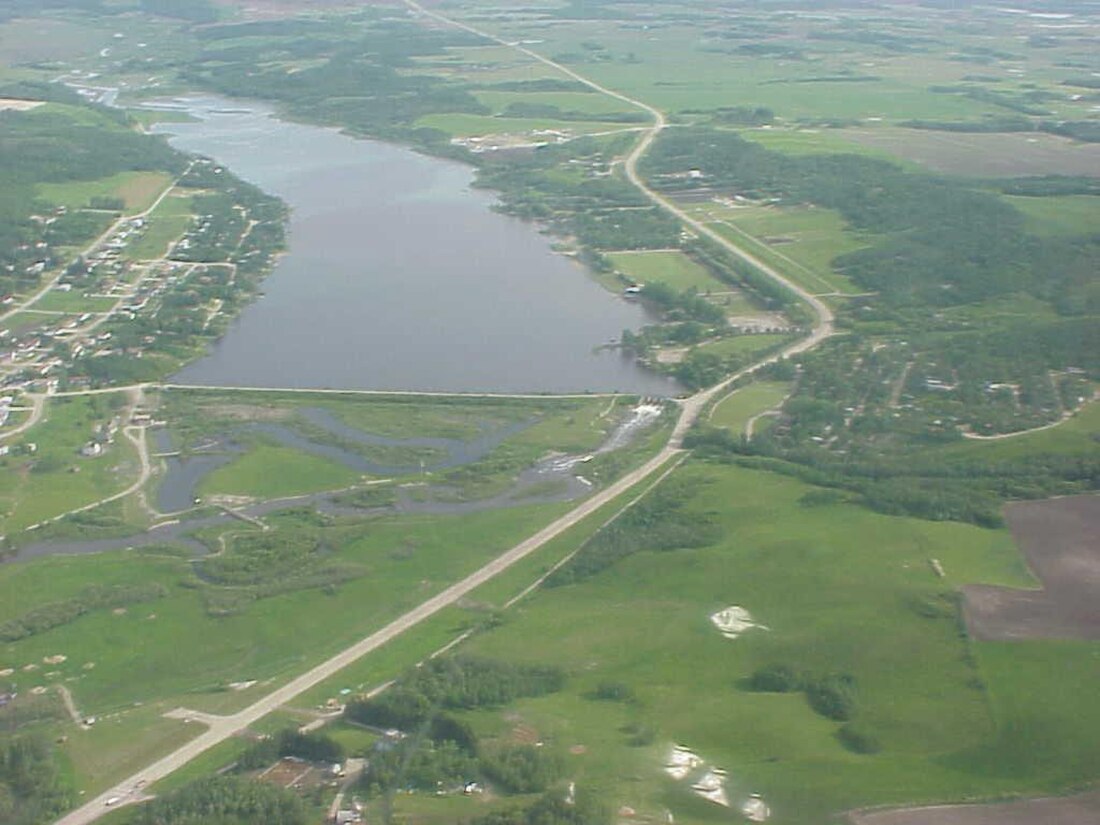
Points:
[(776, 679), (522, 768), (614, 692), (858, 739), (833, 696)]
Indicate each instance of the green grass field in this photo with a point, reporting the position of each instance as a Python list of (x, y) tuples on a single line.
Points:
[(588, 103), (272, 471), (57, 301), (672, 267), (164, 226), (56, 479), (462, 125), (814, 142), (839, 589), (735, 411), (1067, 215), (801, 243), (742, 344)]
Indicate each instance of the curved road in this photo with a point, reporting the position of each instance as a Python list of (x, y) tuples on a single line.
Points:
[(224, 727)]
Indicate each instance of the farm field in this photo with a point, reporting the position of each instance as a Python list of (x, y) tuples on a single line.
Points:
[(137, 190), (463, 125), (817, 647), (805, 573), (588, 103), (984, 155)]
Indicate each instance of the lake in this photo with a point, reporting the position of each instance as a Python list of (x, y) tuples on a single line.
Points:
[(399, 276)]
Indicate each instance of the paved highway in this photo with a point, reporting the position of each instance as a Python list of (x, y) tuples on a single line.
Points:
[(223, 727)]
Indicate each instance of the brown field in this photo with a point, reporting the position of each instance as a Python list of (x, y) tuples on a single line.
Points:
[(1083, 809), (8, 104), (288, 773), (992, 155), (1059, 540), (267, 9)]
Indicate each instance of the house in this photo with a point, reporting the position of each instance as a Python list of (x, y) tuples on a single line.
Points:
[(92, 449)]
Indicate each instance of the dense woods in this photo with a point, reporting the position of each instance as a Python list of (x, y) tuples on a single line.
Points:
[(225, 800), (32, 789)]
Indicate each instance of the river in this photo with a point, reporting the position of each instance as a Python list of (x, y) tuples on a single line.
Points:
[(400, 276)]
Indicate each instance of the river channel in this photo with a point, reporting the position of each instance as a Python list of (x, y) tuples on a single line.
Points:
[(399, 276)]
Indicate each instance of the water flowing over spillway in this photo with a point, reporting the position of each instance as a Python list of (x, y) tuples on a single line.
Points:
[(399, 276)]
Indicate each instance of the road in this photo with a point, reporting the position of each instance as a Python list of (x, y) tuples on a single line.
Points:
[(136, 436), (95, 245), (224, 727), (38, 409)]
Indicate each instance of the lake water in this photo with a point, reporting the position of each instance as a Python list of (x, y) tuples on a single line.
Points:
[(399, 275)]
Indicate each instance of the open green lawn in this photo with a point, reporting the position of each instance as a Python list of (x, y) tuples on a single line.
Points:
[(1079, 435), (1067, 215), (137, 189), (73, 301), (121, 743), (273, 471), (164, 226), (672, 267), (839, 589), (172, 649), (586, 102), (55, 478), (742, 344), (814, 142), (462, 125), (801, 243), (736, 410)]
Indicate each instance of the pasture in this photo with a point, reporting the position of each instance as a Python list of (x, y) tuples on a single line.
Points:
[(839, 589)]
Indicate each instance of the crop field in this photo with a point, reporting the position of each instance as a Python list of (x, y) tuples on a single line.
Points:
[(463, 125), (138, 190), (984, 155), (814, 142), (1058, 539), (672, 267), (643, 66), (831, 601), (1072, 810), (589, 103), (43, 39)]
